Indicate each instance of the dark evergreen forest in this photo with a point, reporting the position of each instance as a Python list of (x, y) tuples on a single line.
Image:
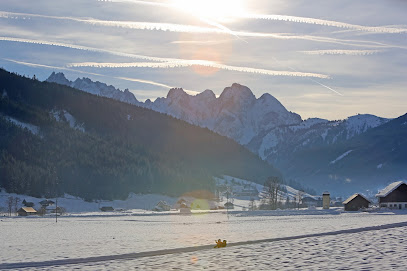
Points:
[(124, 148)]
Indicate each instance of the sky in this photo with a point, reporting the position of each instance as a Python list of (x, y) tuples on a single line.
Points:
[(323, 58)]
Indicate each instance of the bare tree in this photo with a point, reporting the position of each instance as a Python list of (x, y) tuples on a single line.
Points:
[(16, 203), (298, 197), (10, 203), (272, 188)]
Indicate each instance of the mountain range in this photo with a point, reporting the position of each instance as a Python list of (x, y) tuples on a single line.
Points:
[(55, 139), (340, 155)]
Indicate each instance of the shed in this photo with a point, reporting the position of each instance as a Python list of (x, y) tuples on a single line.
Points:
[(25, 211), (393, 196), (356, 202)]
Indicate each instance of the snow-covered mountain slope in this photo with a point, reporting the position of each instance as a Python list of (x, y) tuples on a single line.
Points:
[(311, 133), (96, 88), (304, 150), (236, 113)]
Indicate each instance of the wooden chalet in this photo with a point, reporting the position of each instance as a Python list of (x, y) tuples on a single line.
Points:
[(25, 211), (356, 202), (393, 196)]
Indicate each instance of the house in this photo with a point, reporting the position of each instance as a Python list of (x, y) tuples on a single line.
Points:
[(229, 205), (107, 209), (393, 196), (162, 206), (25, 211), (356, 202), (28, 204), (46, 203)]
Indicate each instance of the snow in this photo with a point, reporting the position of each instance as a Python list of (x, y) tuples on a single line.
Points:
[(340, 157), (135, 203), (73, 123), (32, 128), (308, 124), (251, 237), (390, 188)]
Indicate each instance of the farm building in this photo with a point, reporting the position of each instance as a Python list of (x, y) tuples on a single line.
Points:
[(393, 196), (25, 211), (356, 202)]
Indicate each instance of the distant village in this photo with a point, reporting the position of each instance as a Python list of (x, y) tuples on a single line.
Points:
[(237, 194)]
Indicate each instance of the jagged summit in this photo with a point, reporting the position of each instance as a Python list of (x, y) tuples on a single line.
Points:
[(58, 78), (175, 93)]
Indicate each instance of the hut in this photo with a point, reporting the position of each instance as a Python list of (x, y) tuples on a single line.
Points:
[(393, 196), (25, 211), (356, 202)]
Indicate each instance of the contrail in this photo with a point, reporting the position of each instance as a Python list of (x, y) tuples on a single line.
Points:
[(193, 92), (296, 19), (163, 62), (342, 52), (202, 30), (92, 73), (189, 63), (312, 80)]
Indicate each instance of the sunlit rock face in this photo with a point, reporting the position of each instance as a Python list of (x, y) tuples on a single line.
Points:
[(236, 113)]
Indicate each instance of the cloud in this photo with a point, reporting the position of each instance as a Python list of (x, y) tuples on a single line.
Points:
[(96, 74), (189, 63), (180, 28), (296, 19), (342, 52)]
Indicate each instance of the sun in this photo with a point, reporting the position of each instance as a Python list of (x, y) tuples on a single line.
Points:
[(219, 10)]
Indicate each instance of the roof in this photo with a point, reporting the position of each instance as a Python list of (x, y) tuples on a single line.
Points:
[(28, 209), (353, 197), (390, 188)]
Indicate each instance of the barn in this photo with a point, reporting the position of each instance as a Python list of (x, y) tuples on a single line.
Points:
[(393, 196), (356, 202), (25, 211)]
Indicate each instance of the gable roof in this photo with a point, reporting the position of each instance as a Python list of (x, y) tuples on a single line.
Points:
[(390, 188), (28, 209), (353, 197)]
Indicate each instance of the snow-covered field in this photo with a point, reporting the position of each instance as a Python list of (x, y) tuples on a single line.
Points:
[(36, 239)]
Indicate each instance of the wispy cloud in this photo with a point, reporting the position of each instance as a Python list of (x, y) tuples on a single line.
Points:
[(92, 73), (180, 28), (342, 52), (296, 19), (162, 62), (189, 63)]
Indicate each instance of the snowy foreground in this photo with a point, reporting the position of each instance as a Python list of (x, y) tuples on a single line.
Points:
[(263, 240)]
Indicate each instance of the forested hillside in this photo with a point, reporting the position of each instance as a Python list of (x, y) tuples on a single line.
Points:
[(96, 147)]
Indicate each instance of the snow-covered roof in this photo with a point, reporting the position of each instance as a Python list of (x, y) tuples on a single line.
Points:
[(353, 197), (29, 209), (390, 188)]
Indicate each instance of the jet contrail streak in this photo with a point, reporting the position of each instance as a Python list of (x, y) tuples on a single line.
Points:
[(96, 74), (342, 52), (296, 19), (189, 63), (202, 30)]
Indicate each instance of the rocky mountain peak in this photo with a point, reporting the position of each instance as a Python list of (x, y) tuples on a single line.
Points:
[(58, 78)]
